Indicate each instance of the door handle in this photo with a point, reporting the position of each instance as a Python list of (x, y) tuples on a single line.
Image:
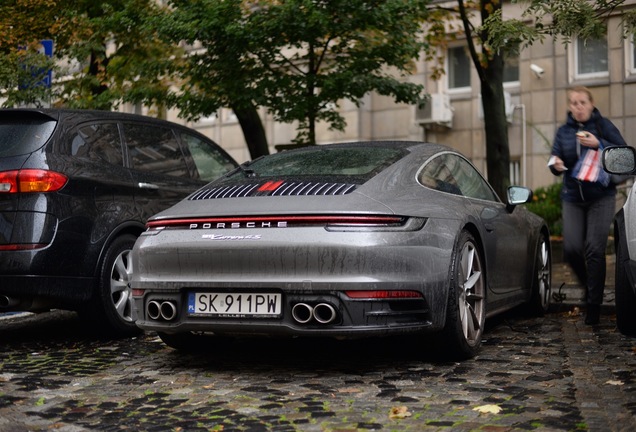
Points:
[(143, 185)]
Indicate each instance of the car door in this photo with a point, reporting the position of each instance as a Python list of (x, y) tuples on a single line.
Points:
[(505, 239), (100, 188), (158, 165)]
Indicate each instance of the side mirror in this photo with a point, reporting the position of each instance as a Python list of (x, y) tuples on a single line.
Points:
[(518, 195), (619, 160)]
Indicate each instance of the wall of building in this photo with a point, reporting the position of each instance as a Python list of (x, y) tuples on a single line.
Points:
[(538, 107)]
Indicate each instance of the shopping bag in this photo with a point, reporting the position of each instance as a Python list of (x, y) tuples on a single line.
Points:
[(588, 168)]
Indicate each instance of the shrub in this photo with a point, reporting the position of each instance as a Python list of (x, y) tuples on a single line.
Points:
[(546, 202)]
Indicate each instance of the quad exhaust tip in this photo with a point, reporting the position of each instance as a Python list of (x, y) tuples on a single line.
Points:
[(165, 310), (323, 313)]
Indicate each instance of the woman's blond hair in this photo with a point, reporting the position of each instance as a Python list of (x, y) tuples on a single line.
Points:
[(581, 89)]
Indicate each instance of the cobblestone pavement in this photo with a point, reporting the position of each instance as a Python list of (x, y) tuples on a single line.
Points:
[(543, 374), (568, 292)]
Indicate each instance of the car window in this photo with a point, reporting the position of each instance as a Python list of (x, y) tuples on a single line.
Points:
[(21, 135), (453, 174), (209, 162), (361, 162), (97, 142), (156, 149)]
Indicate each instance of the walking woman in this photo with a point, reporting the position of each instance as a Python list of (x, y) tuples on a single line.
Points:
[(588, 195)]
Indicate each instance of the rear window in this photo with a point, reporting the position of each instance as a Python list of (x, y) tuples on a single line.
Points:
[(20, 136), (360, 163), (98, 142), (210, 163), (155, 149)]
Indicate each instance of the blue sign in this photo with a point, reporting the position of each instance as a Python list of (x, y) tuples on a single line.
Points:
[(46, 48)]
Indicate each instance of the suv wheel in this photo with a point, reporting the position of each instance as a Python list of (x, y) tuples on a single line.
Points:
[(111, 308)]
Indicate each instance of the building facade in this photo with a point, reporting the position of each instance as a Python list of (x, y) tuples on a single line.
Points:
[(536, 83)]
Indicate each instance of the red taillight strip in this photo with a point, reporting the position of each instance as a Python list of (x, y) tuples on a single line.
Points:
[(291, 220), (22, 247), (31, 180), (383, 294)]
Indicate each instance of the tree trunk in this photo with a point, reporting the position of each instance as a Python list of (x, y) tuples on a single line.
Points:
[(496, 128), (253, 130), (493, 100)]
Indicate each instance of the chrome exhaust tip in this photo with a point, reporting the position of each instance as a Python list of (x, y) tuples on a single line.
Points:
[(168, 310), (324, 313), (302, 313), (153, 309)]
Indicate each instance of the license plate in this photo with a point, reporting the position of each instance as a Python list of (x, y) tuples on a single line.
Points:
[(235, 304)]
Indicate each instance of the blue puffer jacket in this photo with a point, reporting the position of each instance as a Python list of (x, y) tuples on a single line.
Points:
[(565, 147)]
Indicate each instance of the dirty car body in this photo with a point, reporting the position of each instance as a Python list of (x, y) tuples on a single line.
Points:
[(76, 189), (343, 240), (621, 160)]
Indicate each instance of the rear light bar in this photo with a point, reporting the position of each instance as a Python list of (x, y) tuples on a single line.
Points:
[(383, 294), (22, 247), (277, 221), (31, 180)]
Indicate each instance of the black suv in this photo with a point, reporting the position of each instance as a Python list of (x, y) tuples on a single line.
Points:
[(76, 188)]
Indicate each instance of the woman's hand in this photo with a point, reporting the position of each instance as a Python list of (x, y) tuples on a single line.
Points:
[(588, 140), (557, 164)]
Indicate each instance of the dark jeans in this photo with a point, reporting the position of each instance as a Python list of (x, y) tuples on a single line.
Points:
[(585, 231)]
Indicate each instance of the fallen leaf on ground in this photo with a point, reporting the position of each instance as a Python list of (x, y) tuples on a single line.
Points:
[(488, 409), (399, 412)]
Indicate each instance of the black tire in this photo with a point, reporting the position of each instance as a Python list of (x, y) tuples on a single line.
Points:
[(466, 308), (541, 283), (111, 308), (624, 296)]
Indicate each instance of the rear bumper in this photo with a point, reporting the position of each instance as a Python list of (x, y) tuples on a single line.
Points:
[(324, 313), (312, 266), (23, 293)]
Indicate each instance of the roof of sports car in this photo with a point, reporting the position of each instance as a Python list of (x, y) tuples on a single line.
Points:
[(338, 178)]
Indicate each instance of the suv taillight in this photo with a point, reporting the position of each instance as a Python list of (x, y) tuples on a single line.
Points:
[(31, 180)]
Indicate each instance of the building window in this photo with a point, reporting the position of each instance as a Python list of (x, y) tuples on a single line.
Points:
[(591, 58), (632, 55), (458, 68), (515, 172), (511, 69)]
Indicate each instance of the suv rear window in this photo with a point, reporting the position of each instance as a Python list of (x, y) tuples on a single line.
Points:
[(20, 136)]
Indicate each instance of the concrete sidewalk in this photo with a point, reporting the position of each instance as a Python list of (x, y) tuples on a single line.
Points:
[(567, 292)]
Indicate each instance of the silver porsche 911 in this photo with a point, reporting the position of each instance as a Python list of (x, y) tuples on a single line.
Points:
[(343, 240)]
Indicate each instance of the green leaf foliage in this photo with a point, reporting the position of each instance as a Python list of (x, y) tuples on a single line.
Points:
[(546, 202), (297, 58)]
